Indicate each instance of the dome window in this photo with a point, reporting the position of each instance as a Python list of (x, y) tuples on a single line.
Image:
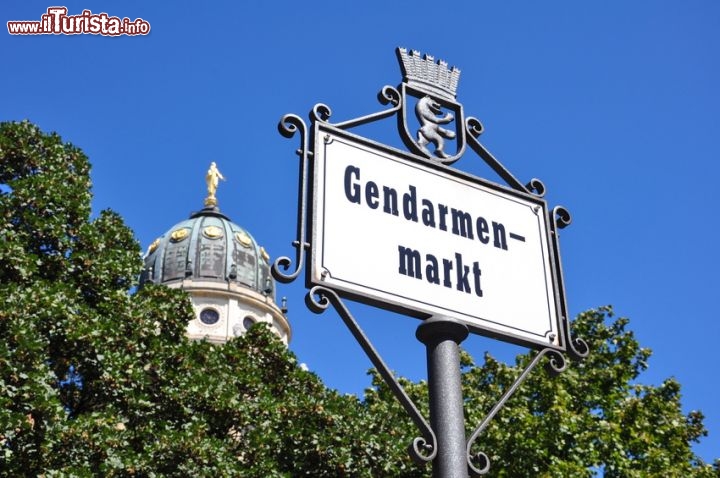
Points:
[(209, 316), (248, 322)]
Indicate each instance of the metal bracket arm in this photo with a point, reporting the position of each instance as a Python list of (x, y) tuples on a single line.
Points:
[(423, 449), (556, 365), (474, 129), (388, 95)]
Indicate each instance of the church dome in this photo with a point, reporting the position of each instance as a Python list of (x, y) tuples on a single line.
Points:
[(223, 269), (209, 247)]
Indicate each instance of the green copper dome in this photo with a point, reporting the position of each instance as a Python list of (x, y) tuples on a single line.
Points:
[(209, 247)]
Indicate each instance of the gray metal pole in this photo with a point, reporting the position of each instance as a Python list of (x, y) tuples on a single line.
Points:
[(442, 336)]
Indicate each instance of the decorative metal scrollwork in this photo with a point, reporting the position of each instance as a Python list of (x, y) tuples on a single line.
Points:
[(579, 347), (536, 187), (317, 300), (561, 217), (320, 112), (482, 460), (556, 364), (474, 128), (387, 95), (422, 449), (288, 126)]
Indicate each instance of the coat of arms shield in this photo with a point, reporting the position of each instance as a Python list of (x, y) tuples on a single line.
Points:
[(437, 129)]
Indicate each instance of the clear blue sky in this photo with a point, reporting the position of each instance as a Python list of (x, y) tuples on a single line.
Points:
[(613, 104)]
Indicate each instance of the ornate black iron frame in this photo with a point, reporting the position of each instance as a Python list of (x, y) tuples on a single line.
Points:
[(423, 449)]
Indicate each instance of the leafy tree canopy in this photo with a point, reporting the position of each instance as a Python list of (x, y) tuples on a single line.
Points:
[(98, 381)]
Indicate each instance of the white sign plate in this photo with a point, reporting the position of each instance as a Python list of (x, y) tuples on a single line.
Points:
[(430, 241)]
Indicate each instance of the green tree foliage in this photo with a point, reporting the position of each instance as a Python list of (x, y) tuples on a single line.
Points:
[(98, 381), (593, 416)]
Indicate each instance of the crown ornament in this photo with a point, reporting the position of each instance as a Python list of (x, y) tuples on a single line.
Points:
[(425, 73)]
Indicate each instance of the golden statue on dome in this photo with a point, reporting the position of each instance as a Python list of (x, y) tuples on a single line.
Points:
[(212, 178)]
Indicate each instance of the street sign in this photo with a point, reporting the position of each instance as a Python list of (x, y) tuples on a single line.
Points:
[(413, 235), (405, 231)]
